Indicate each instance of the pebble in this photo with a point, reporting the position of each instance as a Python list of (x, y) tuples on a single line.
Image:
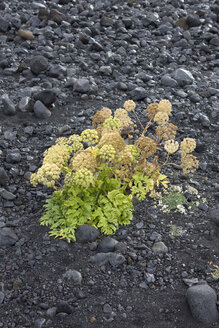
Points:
[(38, 64), (86, 233), (73, 275), (40, 110), (7, 237), (159, 247), (8, 106), (183, 77)]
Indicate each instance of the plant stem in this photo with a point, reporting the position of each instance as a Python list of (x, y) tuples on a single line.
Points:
[(137, 118)]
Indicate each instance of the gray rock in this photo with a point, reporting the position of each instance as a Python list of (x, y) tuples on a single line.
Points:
[(25, 104), (2, 296), (168, 81), (40, 110), (51, 312), (82, 85), (39, 322), (56, 16), (100, 259), (73, 275), (96, 46), (47, 97), (63, 307), (107, 244), (159, 247), (183, 77), (38, 64), (149, 277), (6, 194), (107, 70), (214, 215), (7, 237), (193, 20), (3, 177), (86, 234), (202, 302), (138, 93), (116, 259), (8, 106), (4, 25), (13, 156)]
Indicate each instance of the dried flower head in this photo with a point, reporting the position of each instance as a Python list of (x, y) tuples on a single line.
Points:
[(189, 163), (100, 116), (83, 178), (112, 123), (187, 146), (146, 145), (151, 110), (58, 154), (125, 120), (148, 168), (47, 174), (84, 159), (129, 105), (89, 136), (161, 118), (107, 153), (113, 138), (167, 131), (165, 106), (171, 146), (125, 156)]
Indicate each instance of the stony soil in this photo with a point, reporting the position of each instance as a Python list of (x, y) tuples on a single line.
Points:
[(95, 54)]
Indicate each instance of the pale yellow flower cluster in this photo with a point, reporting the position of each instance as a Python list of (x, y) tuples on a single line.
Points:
[(161, 118), (101, 116), (171, 146), (165, 106), (125, 157), (74, 142), (89, 136), (134, 151), (112, 123), (122, 115), (83, 159), (159, 112), (187, 146), (83, 178), (167, 131), (55, 159), (107, 153), (113, 138), (129, 105), (189, 163)]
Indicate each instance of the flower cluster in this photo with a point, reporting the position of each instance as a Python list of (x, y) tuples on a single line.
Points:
[(83, 159), (89, 136), (83, 178), (129, 105), (107, 153), (125, 120), (146, 145), (112, 123), (171, 146)]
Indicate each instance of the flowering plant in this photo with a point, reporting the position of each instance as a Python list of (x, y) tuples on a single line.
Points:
[(96, 174)]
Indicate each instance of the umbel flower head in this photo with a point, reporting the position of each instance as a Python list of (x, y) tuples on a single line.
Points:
[(129, 105), (171, 146), (122, 115), (89, 136), (187, 146), (84, 159), (161, 118), (74, 143), (113, 138), (125, 157), (165, 106), (112, 123), (101, 116), (146, 145), (167, 131), (189, 163), (83, 178), (107, 153), (151, 110), (47, 174)]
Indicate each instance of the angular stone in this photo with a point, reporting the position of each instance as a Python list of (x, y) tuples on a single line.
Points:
[(40, 110), (38, 64), (8, 106), (3, 177), (7, 195), (193, 20), (202, 302), (4, 25), (159, 247), (86, 234), (107, 244), (7, 237), (13, 156), (81, 85), (56, 16), (63, 306), (168, 81), (183, 77), (73, 275), (25, 104), (138, 93), (47, 97), (100, 259), (116, 259)]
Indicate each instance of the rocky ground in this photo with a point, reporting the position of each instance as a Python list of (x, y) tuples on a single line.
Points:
[(60, 61)]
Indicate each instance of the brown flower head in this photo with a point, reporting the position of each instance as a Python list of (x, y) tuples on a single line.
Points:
[(187, 146), (151, 110), (125, 120), (84, 159), (129, 105), (101, 116), (112, 138), (161, 118), (167, 131), (189, 163), (146, 145), (171, 146)]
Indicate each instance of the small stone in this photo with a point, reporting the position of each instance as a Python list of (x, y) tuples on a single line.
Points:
[(116, 259), (63, 307), (38, 64), (182, 22), (168, 81), (202, 302), (25, 104), (2, 296), (183, 77), (159, 247), (107, 244), (3, 177), (40, 110), (100, 259), (4, 25), (8, 106), (56, 16), (214, 215), (6, 194), (13, 156), (39, 322), (86, 233), (73, 275), (27, 35), (193, 20), (47, 97), (138, 93), (81, 85), (7, 237), (51, 312)]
